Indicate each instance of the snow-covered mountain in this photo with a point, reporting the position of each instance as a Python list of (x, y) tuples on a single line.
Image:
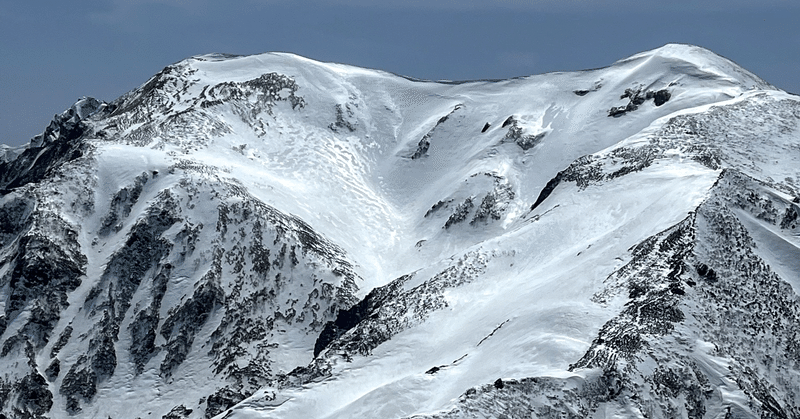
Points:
[(274, 237)]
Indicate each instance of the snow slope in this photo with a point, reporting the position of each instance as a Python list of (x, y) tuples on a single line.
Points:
[(271, 236)]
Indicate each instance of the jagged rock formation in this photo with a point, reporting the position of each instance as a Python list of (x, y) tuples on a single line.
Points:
[(272, 236)]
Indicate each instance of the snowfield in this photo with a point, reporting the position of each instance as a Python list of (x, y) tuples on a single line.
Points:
[(274, 237)]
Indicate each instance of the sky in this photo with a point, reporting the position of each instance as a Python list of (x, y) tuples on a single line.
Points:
[(54, 52)]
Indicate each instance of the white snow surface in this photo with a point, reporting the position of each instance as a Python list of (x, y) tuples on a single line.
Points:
[(360, 188)]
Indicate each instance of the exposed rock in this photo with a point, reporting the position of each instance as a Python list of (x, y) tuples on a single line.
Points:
[(121, 206), (53, 370), (347, 319), (184, 120), (422, 147), (60, 143), (268, 89), (547, 190), (342, 120), (178, 412), (63, 338), (48, 265), (540, 397), (460, 213), (584, 92), (425, 143), (661, 97), (144, 326), (181, 326), (126, 270), (79, 384), (154, 93), (221, 400), (790, 218), (495, 202), (34, 397), (494, 191), (13, 216), (637, 97), (652, 309), (433, 370), (437, 206), (516, 134), (386, 311)]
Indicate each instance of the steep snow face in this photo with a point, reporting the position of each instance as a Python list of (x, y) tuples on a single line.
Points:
[(271, 236)]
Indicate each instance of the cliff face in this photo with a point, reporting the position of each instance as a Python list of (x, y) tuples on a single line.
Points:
[(271, 236)]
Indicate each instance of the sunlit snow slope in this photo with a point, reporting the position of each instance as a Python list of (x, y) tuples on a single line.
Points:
[(274, 237)]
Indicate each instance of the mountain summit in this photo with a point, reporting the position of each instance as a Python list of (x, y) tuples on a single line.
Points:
[(270, 236)]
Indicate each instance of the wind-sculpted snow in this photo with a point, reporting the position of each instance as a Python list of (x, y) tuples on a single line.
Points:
[(274, 237)]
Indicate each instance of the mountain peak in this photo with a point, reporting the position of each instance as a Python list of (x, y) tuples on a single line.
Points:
[(697, 62), (304, 239)]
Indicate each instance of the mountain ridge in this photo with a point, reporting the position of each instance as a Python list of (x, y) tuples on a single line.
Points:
[(270, 236)]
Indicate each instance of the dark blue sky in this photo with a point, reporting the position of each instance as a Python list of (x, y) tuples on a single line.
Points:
[(53, 52)]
